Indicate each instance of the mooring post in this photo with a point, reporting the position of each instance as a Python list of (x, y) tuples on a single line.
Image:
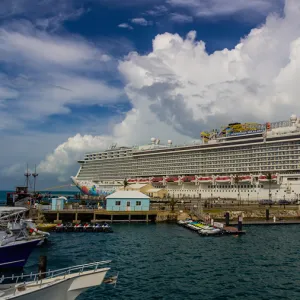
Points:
[(227, 218), (240, 223), (267, 214), (42, 267)]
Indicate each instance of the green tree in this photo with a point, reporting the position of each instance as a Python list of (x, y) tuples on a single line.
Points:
[(125, 183), (172, 202), (236, 180)]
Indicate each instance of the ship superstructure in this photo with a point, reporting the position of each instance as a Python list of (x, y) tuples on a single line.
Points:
[(233, 162)]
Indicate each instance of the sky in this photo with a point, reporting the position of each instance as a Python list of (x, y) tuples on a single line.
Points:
[(77, 76)]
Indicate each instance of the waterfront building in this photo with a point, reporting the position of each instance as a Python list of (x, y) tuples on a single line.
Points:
[(140, 187), (127, 201), (157, 193), (247, 161)]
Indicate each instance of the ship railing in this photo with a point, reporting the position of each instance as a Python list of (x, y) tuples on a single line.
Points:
[(35, 277)]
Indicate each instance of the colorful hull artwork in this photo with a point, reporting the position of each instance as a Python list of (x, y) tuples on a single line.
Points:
[(92, 190)]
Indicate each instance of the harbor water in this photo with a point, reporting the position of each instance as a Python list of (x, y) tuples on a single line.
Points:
[(166, 261)]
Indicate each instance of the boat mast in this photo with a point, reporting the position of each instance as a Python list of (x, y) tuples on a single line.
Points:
[(35, 174), (27, 175)]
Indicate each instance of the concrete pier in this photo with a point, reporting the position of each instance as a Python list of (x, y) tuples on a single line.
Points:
[(94, 216)]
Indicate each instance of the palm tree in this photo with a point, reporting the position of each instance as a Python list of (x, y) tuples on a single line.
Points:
[(236, 180), (125, 183), (172, 203), (269, 178)]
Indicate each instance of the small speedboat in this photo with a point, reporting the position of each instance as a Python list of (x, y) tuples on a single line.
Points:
[(60, 228), (61, 284), (87, 227), (106, 228), (78, 227), (184, 222), (211, 231), (69, 227), (97, 227)]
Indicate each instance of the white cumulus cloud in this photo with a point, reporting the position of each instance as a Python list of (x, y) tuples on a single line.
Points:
[(178, 89)]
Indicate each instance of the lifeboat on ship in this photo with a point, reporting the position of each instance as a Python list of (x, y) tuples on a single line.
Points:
[(144, 180), (223, 179), (172, 179), (205, 179), (263, 178), (247, 178), (132, 180), (189, 179), (157, 179)]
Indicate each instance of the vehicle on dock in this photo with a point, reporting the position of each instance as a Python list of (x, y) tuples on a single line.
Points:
[(266, 202), (284, 202)]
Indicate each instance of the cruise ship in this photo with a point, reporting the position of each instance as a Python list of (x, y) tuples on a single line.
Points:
[(245, 161)]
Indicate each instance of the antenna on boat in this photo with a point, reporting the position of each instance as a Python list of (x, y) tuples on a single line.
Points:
[(35, 174), (27, 175)]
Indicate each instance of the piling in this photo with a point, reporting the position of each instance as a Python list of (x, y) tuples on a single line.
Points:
[(240, 223), (267, 214), (42, 267), (227, 218)]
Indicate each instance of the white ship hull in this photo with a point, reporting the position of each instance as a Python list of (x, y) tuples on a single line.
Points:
[(206, 170)]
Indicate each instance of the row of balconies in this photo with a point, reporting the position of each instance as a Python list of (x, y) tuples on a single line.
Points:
[(218, 156), (189, 169), (259, 150)]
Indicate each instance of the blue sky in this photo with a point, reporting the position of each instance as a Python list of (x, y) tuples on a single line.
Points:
[(83, 67)]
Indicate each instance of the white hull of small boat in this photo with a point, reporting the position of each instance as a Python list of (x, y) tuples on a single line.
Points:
[(210, 231), (65, 287)]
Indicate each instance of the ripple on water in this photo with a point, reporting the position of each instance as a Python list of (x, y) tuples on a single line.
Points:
[(166, 261)]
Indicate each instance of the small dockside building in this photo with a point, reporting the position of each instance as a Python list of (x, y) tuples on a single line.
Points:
[(127, 201)]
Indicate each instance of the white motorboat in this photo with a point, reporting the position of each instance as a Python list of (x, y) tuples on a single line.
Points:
[(211, 231), (62, 284), (28, 229)]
